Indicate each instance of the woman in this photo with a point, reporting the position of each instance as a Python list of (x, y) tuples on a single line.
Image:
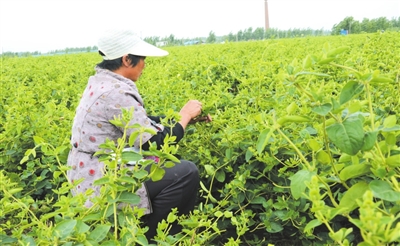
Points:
[(110, 89)]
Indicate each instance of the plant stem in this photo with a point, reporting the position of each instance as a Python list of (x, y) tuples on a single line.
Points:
[(298, 86), (296, 149), (372, 116), (329, 191), (341, 66), (212, 179), (25, 207)]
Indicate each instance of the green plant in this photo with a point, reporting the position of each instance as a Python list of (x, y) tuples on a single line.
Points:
[(304, 132)]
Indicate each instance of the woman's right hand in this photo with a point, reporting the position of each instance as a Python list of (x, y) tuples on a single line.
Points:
[(191, 109)]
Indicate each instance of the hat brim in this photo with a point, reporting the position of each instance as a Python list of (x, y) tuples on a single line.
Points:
[(143, 48)]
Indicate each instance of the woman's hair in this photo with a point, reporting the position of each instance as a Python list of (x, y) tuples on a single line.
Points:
[(117, 63)]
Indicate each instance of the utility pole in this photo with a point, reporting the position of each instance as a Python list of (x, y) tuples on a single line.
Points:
[(266, 15)]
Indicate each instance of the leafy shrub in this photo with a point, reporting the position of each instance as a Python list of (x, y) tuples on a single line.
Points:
[(303, 147)]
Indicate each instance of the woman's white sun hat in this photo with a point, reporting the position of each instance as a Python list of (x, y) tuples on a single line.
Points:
[(117, 43)]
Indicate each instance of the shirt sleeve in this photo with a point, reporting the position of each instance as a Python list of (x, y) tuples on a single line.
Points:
[(176, 130), (156, 119)]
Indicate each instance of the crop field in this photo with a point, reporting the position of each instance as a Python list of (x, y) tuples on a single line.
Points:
[(303, 149)]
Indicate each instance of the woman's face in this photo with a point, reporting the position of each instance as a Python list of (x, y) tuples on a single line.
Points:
[(136, 71)]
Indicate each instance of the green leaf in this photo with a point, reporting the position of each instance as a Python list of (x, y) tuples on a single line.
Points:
[(132, 137), (336, 106), (354, 107), (110, 200), (99, 233), (311, 73), (350, 90), (311, 225), (381, 79), (275, 227), (57, 174), (326, 48), (298, 182), (14, 190), (290, 69), (322, 109), (326, 61), (110, 243), (128, 156), (140, 174), (340, 234), (156, 173), (366, 76), (81, 227), (7, 240), (263, 140), (228, 214), (48, 216), (171, 157), (210, 170), (218, 214), (169, 164), (38, 140), (291, 108), (393, 161), (171, 218), (349, 198), (229, 153), (353, 171), (314, 145), (117, 123), (347, 136), (220, 175), (32, 152), (390, 121), (307, 62), (323, 157), (102, 181), (383, 190), (337, 51), (127, 179), (129, 197), (391, 129), (249, 155), (390, 139), (28, 240), (92, 217), (150, 130), (64, 228), (258, 200), (369, 140), (142, 240)]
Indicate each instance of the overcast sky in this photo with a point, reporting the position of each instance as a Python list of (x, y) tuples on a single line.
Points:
[(38, 25)]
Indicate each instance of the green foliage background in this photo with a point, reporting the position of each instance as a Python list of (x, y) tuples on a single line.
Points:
[(303, 147)]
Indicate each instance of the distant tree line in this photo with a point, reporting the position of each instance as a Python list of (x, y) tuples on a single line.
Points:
[(242, 35), (366, 25), (348, 23), (68, 50), (272, 33)]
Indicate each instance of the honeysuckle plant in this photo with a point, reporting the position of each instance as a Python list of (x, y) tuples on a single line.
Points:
[(303, 147)]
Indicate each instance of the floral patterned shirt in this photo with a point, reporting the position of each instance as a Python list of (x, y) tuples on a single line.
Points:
[(106, 93)]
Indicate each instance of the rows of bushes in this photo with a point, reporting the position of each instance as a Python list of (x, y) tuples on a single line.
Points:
[(303, 147)]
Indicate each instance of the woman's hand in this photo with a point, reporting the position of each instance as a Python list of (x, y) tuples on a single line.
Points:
[(191, 110)]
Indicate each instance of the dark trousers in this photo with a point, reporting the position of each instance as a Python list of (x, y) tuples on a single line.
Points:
[(177, 189)]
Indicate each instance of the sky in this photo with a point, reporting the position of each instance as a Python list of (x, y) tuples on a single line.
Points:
[(46, 25)]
